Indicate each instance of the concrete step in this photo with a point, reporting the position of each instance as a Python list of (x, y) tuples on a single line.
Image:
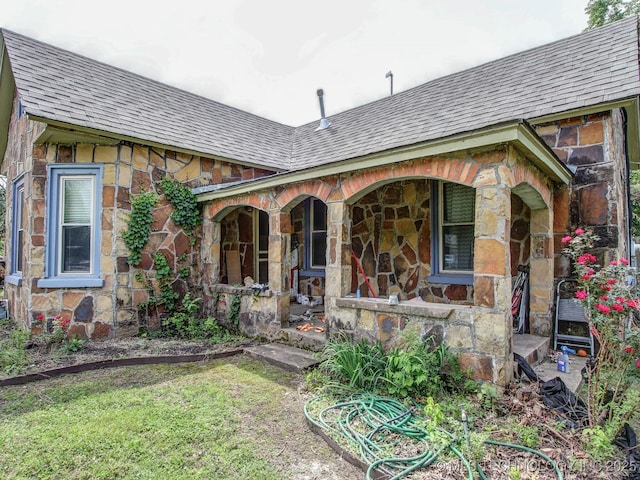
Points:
[(310, 340), (284, 356), (573, 379), (534, 349)]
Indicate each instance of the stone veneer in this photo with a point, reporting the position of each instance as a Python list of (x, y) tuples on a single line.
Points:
[(129, 169), (385, 210)]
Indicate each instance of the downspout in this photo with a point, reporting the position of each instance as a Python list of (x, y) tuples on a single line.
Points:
[(631, 254)]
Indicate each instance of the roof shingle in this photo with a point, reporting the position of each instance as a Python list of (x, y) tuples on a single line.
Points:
[(581, 71)]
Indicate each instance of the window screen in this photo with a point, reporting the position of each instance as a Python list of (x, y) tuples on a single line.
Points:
[(457, 227), (76, 224)]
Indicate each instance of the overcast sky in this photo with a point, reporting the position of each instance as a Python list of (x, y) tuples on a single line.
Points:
[(269, 57)]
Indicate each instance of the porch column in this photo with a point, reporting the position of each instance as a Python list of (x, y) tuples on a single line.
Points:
[(338, 269), (211, 252), (493, 348), (280, 264), (541, 273)]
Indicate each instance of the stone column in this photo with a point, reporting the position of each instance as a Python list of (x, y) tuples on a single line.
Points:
[(541, 272), (280, 264), (492, 325), (338, 270)]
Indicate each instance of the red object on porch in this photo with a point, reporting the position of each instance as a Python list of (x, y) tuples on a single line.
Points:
[(373, 295)]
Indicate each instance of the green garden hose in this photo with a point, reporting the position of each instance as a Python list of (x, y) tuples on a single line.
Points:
[(377, 426)]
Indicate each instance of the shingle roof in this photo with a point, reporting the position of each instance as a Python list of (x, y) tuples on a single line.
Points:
[(59, 85), (580, 71), (584, 70)]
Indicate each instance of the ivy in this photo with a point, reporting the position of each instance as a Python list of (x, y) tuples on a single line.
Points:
[(164, 275), (139, 225), (185, 207), (233, 315)]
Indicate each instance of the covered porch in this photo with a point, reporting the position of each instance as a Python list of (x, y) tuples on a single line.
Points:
[(443, 226)]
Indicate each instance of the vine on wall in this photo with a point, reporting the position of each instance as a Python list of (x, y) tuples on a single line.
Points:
[(139, 225), (186, 213)]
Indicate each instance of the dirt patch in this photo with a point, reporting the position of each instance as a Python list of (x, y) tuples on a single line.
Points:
[(46, 356)]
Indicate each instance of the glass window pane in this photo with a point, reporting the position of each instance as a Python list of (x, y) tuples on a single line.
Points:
[(77, 200), (459, 203), (457, 247), (263, 231), (76, 249), (319, 215), (318, 249)]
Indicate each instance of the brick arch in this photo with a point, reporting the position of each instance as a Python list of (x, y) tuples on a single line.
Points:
[(312, 188), (218, 209), (529, 186), (450, 169)]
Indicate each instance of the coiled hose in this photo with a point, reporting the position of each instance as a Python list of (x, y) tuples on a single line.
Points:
[(379, 426)]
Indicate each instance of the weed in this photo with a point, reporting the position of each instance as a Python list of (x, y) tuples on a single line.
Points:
[(74, 345), (13, 356)]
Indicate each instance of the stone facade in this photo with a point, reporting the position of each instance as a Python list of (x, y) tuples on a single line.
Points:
[(383, 215), (129, 169)]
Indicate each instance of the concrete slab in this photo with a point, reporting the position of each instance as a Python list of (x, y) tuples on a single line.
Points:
[(284, 356), (573, 379)]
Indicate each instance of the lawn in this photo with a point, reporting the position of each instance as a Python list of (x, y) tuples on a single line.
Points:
[(224, 419)]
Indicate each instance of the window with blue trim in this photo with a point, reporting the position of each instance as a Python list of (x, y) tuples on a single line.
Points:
[(18, 224), (453, 232), (73, 233), (315, 238)]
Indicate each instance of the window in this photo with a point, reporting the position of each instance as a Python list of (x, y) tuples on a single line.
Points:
[(18, 223), (315, 241), (453, 215), (73, 236), (261, 225)]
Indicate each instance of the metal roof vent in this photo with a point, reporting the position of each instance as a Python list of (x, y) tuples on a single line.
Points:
[(324, 122)]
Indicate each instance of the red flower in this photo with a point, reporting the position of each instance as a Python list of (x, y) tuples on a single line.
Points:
[(567, 239), (579, 231), (585, 277), (40, 317), (614, 263), (632, 303), (628, 349), (624, 261), (603, 308), (581, 294), (638, 363), (617, 307), (604, 298), (612, 281), (586, 258)]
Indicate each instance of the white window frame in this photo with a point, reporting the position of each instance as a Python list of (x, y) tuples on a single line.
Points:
[(261, 257), (311, 269)]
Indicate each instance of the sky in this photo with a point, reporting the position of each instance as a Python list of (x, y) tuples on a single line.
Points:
[(269, 57)]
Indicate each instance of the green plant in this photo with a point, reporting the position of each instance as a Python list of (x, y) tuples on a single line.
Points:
[(609, 302), (358, 365), (233, 314), (13, 356), (597, 442), (527, 435), (60, 327), (185, 213), (139, 225), (487, 395), (74, 345), (514, 473), (164, 275)]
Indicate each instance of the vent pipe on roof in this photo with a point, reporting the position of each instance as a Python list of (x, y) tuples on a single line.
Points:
[(390, 76), (324, 122)]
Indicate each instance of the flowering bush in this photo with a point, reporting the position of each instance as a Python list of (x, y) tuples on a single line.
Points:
[(609, 301), (60, 327)]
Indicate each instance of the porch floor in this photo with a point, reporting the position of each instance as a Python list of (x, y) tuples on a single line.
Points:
[(310, 339)]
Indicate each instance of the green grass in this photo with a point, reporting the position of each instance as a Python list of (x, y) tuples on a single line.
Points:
[(148, 422)]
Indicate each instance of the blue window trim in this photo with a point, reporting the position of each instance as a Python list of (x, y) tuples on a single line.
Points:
[(309, 272), (15, 277), (436, 275), (76, 280)]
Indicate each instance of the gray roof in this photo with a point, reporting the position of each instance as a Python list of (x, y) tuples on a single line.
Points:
[(59, 85), (585, 70)]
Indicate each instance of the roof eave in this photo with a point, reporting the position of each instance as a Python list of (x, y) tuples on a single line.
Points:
[(7, 92), (65, 133), (517, 133)]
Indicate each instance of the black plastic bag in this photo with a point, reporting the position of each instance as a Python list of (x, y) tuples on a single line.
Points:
[(558, 397)]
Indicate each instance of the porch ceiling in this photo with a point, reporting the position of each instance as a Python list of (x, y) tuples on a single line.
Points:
[(518, 134)]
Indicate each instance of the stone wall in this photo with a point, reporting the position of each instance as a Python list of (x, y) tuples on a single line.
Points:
[(595, 200), (129, 169)]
